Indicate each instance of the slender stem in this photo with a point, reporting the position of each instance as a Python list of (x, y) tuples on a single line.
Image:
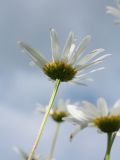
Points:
[(113, 138), (109, 146), (55, 136), (57, 83)]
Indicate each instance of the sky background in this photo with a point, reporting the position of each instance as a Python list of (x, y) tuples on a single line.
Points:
[(23, 86)]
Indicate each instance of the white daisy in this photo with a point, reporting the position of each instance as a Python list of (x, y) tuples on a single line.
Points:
[(106, 120), (24, 155), (69, 64), (115, 11), (58, 112)]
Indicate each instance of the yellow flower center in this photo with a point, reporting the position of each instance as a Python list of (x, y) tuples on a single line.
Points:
[(108, 124), (59, 115), (59, 70)]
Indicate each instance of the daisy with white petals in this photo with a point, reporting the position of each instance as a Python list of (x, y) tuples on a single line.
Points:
[(104, 119), (57, 113), (68, 64), (24, 155), (115, 11)]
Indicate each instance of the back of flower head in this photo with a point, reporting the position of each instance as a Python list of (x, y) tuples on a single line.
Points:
[(58, 112)]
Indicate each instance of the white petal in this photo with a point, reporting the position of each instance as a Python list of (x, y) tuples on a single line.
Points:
[(72, 48), (36, 56), (90, 56), (76, 113), (71, 53), (77, 130), (82, 46), (68, 46), (83, 80), (116, 108), (117, 104), (81, 123), (78, 82), (90, 110), (103, 57), (85, 74), (113, 11), (42, 109), (118, 134), (62, 105), (20, 152), (97, 69), (102, 106), (87, 66), (54, 45)]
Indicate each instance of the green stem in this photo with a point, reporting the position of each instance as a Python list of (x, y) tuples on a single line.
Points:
[(57, 83), (109, 146), (113, 138), (55, 136)]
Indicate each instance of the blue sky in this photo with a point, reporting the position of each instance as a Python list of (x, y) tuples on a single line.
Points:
[(23, 86)]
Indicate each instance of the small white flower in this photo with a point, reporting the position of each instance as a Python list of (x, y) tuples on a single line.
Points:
[(69, 64), (115, 11), (106, 120), (24, 155), (58, 112)]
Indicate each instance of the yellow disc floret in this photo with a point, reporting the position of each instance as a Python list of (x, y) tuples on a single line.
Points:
[(108, 124), (59, 115), (59, 70)]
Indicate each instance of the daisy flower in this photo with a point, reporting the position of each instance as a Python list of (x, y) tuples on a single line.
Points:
[(68, 64), (58, 112), (24, 155), (104, 119), (115, 11)]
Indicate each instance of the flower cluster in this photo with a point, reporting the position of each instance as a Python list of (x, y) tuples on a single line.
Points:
[(70, 65)]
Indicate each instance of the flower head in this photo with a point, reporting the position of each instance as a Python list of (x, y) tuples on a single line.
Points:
[(107, 121), (115, 11), (69, 64), (58, 112), (24, 155)]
